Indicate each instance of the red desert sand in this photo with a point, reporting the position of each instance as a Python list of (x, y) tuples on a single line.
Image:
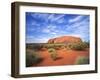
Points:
[(65, 57)]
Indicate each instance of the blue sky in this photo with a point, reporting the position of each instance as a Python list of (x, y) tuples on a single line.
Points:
[(43, 26)]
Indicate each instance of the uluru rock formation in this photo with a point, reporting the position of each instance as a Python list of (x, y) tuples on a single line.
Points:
[(65, 39)]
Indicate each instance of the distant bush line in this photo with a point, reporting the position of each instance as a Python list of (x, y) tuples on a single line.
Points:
[(72, 46)]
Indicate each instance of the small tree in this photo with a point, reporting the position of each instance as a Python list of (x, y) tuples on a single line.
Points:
[(53, 53)]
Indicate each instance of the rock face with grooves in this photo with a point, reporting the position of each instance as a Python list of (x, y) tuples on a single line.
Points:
[(65, 39)]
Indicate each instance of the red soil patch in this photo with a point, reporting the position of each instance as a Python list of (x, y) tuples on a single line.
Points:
[(65, 57)]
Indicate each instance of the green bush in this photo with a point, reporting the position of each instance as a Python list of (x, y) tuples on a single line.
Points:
[(77, 46), (82, 60), (32, 58), (53, 53), (51, 50)]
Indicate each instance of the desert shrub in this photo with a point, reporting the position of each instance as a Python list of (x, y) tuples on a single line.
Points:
[(55, 46), (77, 46), (50, 45), (29, 46), (34, 46), (63, 46), (47, 46), (68, 46), (51, 50), (53, 53), (87, 44), (38, 47), (32, 58), (82, 60)]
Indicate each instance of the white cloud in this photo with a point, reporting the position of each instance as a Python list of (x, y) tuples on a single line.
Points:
[(62, 20), (40, 15), (49, 29), (42, 40), (51, 17), (29, 39), (30, 29), (54, 33), (34, 23), (58, 17), (76, 35), (75, 19), (46, 30), (32, 39)]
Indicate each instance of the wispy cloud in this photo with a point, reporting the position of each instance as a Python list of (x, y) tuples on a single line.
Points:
[(78, 18), (46, 30), (49, 29), (52, 17)]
